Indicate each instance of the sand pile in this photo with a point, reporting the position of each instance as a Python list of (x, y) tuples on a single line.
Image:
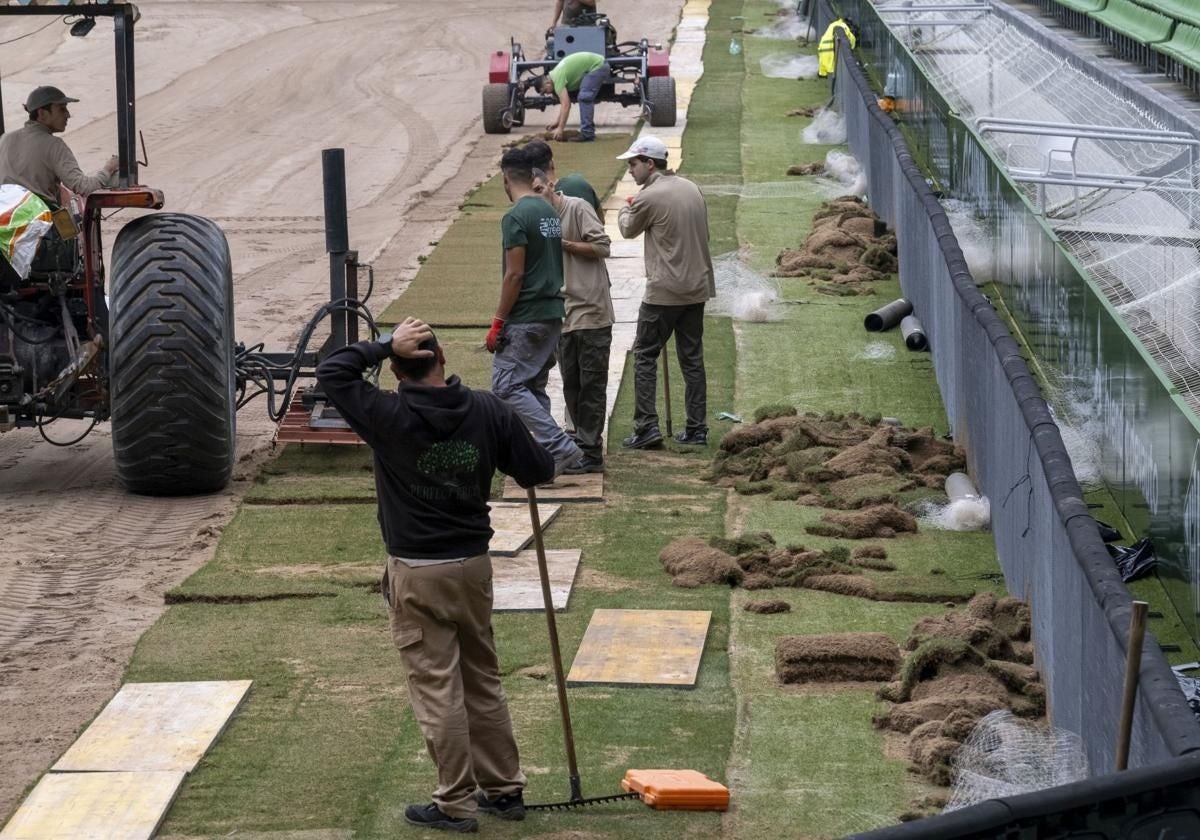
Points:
[(847, 249), (836, 657), (960, 667), (844, 462)]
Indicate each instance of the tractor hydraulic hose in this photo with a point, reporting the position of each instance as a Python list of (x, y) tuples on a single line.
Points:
[(914, 333), (886, 317)]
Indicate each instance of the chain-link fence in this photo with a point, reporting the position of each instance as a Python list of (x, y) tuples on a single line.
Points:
[(1047, 542)]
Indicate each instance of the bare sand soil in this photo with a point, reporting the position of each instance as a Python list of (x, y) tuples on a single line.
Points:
[(236, 101)]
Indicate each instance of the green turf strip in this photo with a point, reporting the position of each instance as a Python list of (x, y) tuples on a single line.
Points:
[(459, 284)]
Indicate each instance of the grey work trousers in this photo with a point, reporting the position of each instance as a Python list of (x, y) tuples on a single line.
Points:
[(583, 360), (520, 370), (656, 324), (441, 621)]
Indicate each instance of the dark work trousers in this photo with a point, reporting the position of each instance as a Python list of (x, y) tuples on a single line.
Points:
[(583, 360), (655, 325)]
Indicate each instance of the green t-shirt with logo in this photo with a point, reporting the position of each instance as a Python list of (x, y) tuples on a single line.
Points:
[(534, 224), (570, 71)]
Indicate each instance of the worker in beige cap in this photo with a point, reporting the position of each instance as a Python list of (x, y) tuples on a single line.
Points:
[(35, 159)]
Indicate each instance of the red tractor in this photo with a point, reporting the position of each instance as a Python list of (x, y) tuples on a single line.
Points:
[(145, 341), (639, 74)]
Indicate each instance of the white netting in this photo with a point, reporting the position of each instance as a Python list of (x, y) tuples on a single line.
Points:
[(1005, 756), (827, 128), (787, 26), (975, 238), (789, 66), (844, 174), (743, 293), (1142, 247)]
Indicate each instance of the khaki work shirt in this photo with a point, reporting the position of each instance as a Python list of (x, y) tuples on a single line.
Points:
[(670, 210), (585, 281), (38, 161)]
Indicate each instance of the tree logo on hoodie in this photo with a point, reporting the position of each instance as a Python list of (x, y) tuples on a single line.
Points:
[(450, 462)]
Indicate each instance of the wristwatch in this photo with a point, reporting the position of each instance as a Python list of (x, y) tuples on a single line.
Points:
[(385, 341)]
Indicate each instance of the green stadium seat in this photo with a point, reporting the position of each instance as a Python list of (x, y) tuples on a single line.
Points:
[(1134, 22), (1184, 11), (1184, 47), (1084, 6)]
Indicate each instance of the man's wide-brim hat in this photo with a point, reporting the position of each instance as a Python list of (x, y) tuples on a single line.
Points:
[(44, 97)]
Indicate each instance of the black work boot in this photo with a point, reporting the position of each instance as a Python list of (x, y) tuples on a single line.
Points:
[(649, 439), (696, 438), (508, 807), (431, 816)]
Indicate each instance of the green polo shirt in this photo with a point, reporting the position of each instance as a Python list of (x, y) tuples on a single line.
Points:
[(570, 71), (533, 224), (577, 186)]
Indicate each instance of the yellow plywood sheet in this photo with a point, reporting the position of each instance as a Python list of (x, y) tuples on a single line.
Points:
[(155, 726), (517, 586), (513, 529), (641, 647), (94, 806), (588, 487)]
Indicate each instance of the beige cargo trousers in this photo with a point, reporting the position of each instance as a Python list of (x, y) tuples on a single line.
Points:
[(441, 621)]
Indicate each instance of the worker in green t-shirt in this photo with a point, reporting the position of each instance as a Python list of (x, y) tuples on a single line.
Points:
[(585, 72), (529, 316)]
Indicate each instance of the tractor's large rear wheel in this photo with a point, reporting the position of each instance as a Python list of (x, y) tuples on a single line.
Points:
[(495, 103), (171, 356), (660, 96)]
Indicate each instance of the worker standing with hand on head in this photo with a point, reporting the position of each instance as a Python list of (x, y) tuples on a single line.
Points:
[(529, 315), (671, 212), (585, 72), (437, 445), (32, 157)]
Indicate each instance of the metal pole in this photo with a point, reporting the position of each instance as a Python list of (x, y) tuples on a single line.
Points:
[(560, 681), (126, 121), (1133, 664), (337, 237), (667, 389)]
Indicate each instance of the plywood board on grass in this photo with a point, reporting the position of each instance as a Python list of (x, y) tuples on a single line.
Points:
[(150, 727), (588, 487), (517, 586), (94, 806), (641, 647), (513, 529)]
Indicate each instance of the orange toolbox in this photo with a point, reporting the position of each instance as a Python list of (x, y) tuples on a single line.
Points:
[(677, 790)]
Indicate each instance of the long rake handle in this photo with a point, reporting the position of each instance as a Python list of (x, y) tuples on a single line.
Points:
[(667, 389), (560, 681)]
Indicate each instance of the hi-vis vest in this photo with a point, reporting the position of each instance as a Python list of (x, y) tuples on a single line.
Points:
[(827, 49)]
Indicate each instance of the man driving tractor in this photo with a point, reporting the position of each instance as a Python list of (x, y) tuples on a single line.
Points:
[(35, 159), (585, 72)]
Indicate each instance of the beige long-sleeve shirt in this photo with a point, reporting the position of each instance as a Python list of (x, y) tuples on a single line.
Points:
[(37, 160), (586, 286), (670, 210)]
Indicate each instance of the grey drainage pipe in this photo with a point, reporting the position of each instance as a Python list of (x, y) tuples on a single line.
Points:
[(914, 333), (959, 486), (886, 317)]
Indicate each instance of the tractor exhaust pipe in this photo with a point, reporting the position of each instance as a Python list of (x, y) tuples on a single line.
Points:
[(886, 317), (337, 240)]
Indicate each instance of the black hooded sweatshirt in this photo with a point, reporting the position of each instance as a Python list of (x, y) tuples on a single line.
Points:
[(436, 450)]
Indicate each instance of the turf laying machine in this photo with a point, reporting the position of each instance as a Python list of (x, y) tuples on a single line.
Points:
[(146, 341), (639, 75)]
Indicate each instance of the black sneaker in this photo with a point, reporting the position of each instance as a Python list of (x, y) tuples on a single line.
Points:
[(697, 438), (431, 816), (584, 466), (649, 439), (508, 807)]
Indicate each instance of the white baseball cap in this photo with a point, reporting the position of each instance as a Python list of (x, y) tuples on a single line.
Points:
[(646, 146)]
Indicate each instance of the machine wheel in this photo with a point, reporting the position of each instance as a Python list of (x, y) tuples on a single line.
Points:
[(171, 356), (660, 95), (495, 104)]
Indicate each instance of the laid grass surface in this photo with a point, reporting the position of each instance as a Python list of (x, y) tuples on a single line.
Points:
[(326, 741), (459, 284)]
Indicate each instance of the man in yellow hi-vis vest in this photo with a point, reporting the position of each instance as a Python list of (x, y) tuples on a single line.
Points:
[(827, 49)]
